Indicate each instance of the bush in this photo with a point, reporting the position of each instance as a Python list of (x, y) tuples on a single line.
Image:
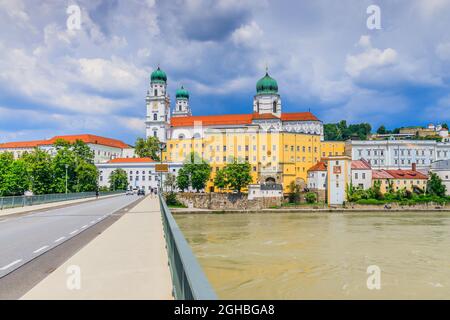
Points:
[(311, 197), (171, 199)]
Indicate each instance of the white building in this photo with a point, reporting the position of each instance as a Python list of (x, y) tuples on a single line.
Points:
[(317, 176), (265, 191), (103, 149), (442, 169), (361, 174), (141, 172), (400, 154), (339, 176)]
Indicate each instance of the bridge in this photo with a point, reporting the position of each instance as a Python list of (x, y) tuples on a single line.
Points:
[(114, 247)]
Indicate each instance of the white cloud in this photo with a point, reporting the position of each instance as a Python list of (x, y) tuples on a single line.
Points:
[(369, 58), (248, 35)]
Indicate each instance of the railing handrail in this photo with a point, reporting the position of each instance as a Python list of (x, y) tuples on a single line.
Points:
[(198, 286), (29, 200)]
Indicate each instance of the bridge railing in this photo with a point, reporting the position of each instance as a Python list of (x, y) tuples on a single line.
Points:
[(23, 201), (189, 281)]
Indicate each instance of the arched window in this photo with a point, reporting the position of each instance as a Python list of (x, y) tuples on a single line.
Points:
[(274, 107), (181, 136), (180, 108), (155, 116), (257, 106), (156, 92), (155, 133)]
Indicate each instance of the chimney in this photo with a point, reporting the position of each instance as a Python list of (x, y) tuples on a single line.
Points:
[(413, 167)]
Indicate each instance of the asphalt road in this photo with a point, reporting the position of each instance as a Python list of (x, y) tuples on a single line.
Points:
[(24, 238)]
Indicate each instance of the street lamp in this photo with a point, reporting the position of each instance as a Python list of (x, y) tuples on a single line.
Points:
[(67, 166), (162, 146)]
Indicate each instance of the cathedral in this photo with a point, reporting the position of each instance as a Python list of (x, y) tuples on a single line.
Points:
[(280, 146), (163, 121)]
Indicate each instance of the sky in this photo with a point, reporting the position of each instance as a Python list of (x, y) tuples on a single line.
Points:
[(58, 80)]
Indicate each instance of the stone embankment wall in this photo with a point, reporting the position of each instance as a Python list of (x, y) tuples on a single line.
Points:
[(396, 206), (226, 201)]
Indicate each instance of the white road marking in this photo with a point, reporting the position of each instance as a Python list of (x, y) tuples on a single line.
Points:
[(40, 249), (74, 231), (10, 265), (59, 239), (85, 226), (93, 221)]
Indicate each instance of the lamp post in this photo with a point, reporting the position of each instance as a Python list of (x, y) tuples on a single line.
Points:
[(67, 166), (162, 146)]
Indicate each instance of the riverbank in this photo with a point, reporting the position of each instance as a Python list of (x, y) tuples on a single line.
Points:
[(305, 209)]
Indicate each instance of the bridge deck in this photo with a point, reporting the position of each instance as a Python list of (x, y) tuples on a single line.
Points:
[(127, 261)]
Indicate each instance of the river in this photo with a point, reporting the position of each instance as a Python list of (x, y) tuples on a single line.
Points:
[(323, 255)]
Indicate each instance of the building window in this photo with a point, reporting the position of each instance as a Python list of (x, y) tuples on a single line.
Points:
[(274, 107)]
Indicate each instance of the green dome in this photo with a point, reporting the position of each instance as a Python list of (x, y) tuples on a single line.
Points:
[(267, 85), (158, 75), (182, 93)]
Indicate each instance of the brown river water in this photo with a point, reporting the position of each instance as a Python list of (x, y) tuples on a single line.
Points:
[(322, 255)]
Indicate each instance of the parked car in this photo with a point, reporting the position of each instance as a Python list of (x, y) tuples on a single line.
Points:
[(129, 192), (141, 192)]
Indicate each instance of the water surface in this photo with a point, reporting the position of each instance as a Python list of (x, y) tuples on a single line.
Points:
[(322, 256)]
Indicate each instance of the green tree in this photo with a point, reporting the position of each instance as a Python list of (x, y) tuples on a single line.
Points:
[(13, 176), (64, 156), (220, 180), (311, 197), (183, 181), (382, 130), (38, 164), (435, 186), (87, 177), (341, 131), (445, 126), (83, 152), (118, 180), (294, 192), (170, 182), (148, 148), (199, 171), (238, 175), (6, 161)]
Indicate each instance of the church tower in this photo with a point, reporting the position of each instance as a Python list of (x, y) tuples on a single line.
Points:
[(158, 106), (182, 108), (267, 100)]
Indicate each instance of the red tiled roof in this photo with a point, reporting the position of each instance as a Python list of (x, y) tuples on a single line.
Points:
[(407, 174), (86, 138), (238, 119), (299, 116), (264, 116), (381, 174), (23, 144), (319, 166), (131, 160), (225, 119), (398, 174), (361, 165)]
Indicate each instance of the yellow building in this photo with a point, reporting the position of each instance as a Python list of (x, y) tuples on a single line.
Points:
[(280, 147)]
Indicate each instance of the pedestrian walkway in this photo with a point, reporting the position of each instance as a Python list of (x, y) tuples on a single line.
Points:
[(127, 261)]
